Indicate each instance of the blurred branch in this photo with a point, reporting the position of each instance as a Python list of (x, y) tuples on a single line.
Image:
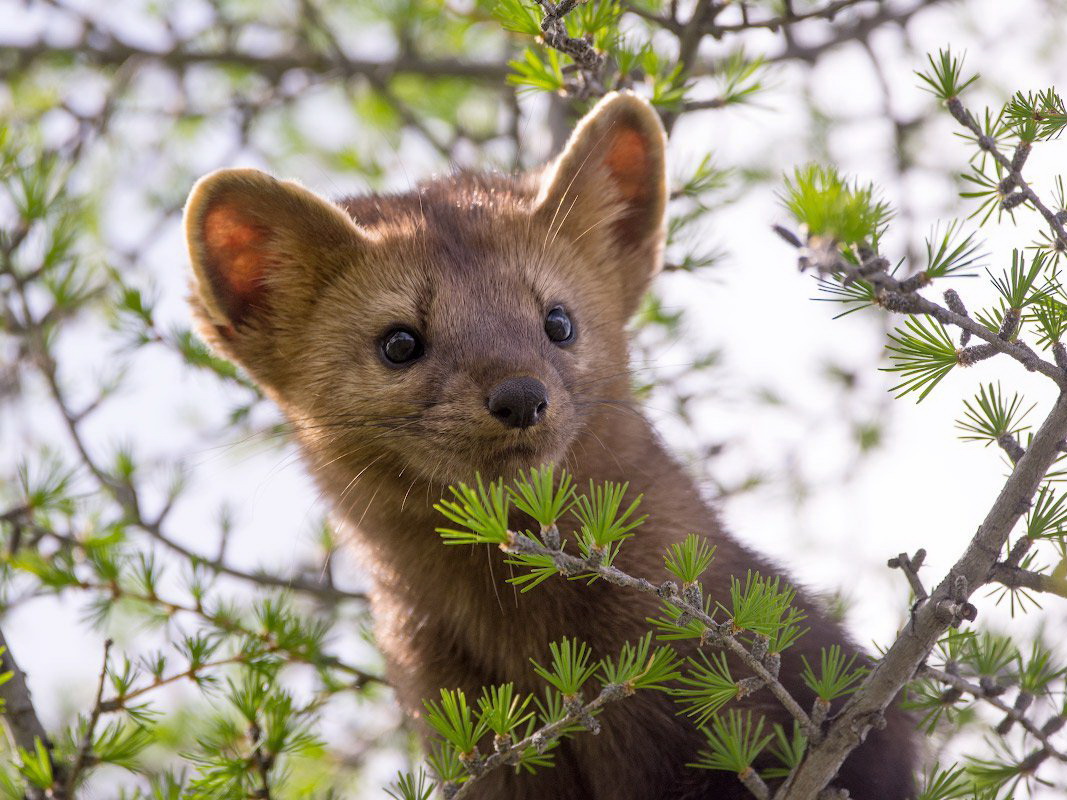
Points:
[(125, 494), (827, 11), (223, 621), (199, 609), (855, 30), (704, 105), (689, 39), (19, 712), (16, 57), (18, 707), (86, 747), (262, 761), (667, 22)]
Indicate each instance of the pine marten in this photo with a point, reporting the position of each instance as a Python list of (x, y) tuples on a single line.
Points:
[(477, 325)]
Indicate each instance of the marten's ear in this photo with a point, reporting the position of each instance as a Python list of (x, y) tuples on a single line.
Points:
[(260, 245), (611, 178)]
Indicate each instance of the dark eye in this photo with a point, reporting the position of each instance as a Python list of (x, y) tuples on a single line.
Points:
[(399, 346), (558, 326)]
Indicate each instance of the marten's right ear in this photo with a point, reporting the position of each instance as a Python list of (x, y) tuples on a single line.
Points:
[(610, 185), (260, 247)]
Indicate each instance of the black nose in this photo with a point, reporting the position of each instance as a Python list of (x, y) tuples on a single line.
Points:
[(518, 402)]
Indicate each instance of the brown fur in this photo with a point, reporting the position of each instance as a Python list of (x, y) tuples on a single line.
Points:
[(299, 293)]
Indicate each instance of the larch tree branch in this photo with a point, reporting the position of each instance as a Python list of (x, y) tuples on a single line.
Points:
[(944, 609)]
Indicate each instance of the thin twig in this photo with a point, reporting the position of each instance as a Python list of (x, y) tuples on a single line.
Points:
[(828, 11), (224, 621), (1019, 578), (857, 30), (902, 297), (967, 120), (718, 632), (963, 685), (910, 567), (540, 738), (86, 747)]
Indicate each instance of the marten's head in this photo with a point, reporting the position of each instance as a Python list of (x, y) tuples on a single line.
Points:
[(473, 324)]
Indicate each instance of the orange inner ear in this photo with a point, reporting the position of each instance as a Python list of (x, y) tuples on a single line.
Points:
[(236, 260), (627, 159), (629, 164)]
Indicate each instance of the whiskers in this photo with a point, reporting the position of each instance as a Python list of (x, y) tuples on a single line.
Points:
[(350, 422), (553, 228), (333, 428), (586, 404)]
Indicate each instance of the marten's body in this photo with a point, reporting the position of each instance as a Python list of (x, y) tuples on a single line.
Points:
[(310, 297)]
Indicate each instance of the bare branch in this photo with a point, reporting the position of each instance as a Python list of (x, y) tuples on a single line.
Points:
[(689, 44), (910, 567)]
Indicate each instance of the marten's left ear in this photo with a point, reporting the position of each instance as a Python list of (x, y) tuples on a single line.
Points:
[(611, 182), (262, 250)]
